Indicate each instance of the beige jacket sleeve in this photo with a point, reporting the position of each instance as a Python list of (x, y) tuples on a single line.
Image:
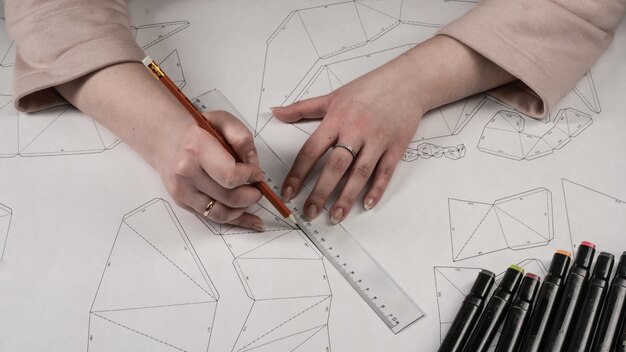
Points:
[(59, 41), (548, 44)]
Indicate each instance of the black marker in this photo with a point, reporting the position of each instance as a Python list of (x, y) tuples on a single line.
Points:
[(546, 302), (466, 318), (516, 321), (611, 314), (570, 301), (587, 321), (495, 311)]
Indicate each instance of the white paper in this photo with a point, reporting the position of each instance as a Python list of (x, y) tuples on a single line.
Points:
[(97, 257)]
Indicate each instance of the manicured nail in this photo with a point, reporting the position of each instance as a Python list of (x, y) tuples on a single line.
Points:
[(258, 227), (287, 193), (336, 216), (369, 203), (310, 212)]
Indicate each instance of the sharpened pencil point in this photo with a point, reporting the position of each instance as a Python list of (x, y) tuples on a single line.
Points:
[(293, 221)]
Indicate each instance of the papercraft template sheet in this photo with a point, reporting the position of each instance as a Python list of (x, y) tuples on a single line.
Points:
[(97, 257)]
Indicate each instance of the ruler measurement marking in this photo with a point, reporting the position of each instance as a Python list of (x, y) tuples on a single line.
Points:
[(359, 283)]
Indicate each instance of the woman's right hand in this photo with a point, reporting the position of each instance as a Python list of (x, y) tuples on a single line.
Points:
[(196, 170)]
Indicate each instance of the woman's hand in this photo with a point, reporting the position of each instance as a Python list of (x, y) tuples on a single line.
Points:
[(376, 115), (200, 175), (197, 171)]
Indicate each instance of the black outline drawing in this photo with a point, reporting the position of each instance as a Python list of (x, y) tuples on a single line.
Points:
[(163, 31), (450, 291), (506, 223), (593, 213), (41, 134), (6, 215), (586, 91), (258, 257), (172, 65), (153, 286), (289, 311), (315, 68), (7, 47), (310, 70), (516, 136), (45, 133), (429, 150)]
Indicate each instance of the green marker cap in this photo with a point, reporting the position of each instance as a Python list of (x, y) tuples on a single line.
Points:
[(512, 278), (518, 268)]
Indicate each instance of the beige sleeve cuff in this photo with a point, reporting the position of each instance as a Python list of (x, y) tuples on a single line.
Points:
[(546, 46), (34, 89), (60, 41)]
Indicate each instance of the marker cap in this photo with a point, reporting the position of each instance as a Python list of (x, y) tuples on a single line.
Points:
[(511, 280), (620, 271), (584, 255), (559, 264), (529, 287), (604, 266), (482, 285)]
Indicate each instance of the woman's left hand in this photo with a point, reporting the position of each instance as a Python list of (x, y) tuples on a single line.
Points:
[(376, 115)]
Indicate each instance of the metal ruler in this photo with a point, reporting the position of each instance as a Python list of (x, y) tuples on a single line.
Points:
[(352, 261), (363, 273)]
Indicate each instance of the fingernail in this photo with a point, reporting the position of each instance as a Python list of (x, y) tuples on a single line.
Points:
[(258, 227), (287, 193), (275, 108), (311, 212), (336, 216), (369, 203)]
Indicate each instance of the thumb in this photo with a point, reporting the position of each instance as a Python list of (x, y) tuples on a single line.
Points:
[(313, 108)]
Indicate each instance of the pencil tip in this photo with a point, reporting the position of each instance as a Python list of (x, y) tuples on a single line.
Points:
[(293, 221)]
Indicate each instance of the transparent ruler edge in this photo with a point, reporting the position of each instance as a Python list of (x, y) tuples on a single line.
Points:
[(391, 318), (411, 310)]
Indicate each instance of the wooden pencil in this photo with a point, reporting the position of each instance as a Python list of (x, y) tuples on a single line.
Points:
[(265, 189)]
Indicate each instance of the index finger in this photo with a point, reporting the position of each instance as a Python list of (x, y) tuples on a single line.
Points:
[(222, 167), (235, 133)]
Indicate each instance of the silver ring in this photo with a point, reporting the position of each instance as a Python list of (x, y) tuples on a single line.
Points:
[(346, 147), (207, 209)]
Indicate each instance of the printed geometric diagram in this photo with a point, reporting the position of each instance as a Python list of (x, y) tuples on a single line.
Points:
[(46, 133), (171, 65), (593, 214), (445, 121), (282, 273), (5, 225), (515, 136), (7, 48), (517, 222), (452, 284), (435, 13), (8, 122), (309, 35), (429, 150), (586, 90), (298, 58), (154, 294), (150, 34), (284, 276)]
